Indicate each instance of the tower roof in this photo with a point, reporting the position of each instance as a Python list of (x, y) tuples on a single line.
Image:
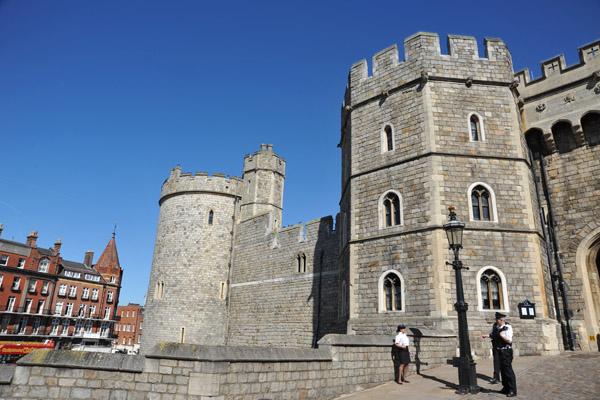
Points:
[(109, 257)]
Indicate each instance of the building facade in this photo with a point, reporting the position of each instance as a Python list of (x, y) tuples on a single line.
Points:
[(517, 158), (128, 328), (44, 297)]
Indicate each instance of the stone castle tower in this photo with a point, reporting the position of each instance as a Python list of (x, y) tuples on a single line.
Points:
[(194, 241), (517, 158), (421, 135)]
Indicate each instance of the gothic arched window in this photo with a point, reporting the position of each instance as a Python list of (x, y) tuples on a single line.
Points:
[(211, 217), (389, 138), (481, 203), (391, 209), (491, 290), (392, 292)]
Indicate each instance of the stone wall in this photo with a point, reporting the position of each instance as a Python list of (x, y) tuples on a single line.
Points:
[(284, 287), (342, 364)]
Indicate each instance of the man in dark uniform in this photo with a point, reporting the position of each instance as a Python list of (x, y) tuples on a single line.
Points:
[(502, 341), (495, 354)]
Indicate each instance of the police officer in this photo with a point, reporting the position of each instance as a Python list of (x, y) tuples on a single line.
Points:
[(495, 351), (502, 341)]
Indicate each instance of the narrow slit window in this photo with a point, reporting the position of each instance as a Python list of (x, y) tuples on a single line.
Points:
[(475, 128)]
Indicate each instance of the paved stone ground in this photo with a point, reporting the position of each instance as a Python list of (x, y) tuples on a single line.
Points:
[(569, 376)]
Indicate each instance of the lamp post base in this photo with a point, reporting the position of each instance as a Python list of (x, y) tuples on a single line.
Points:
[(467, 375)]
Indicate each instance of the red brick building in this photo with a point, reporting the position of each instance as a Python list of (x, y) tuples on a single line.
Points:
[(129, 327), (43, 296)]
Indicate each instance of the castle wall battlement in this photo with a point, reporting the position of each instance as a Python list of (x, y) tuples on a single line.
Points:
[(555, 72), (199, 182), (265, 159), (423, 60)]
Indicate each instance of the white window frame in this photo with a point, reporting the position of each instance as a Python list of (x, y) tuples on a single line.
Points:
[(21, 263), (62, 289), (45, 287), (43, 265), (55, 326), (1, 279), (109, 297), (381, 290), (41, 305), (78, 328), (85, 293), (4, 259), (69, 310), (66, 324), (10, 305), (506, 308), (95, 294), (107, 312), (28, 304), (493, 210), (23, 325), (481, 129), (16, 283), (58, 307), (72, 291), (104, 328), (32, 285), (36, 326), (383, 136), (381, 209), (92, 310)]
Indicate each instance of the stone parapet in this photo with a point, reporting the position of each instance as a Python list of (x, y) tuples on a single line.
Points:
[(424, 61), (200, 182), (341, 365), (556, 74)]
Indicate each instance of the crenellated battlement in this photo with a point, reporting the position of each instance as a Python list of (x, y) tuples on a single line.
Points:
[(555, 72), (265, 159), (423, 61), (179, 182)]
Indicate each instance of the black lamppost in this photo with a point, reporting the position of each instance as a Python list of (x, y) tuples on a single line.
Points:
[(467, 376)]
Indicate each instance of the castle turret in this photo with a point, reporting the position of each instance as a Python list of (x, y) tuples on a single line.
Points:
[(264, 173), (188, 282)]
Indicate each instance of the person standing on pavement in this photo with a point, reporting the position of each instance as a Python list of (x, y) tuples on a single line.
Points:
[(401, 341), (495, 354), (503, 342)]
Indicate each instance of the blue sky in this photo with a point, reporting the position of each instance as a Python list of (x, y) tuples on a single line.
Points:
[(100, 99)]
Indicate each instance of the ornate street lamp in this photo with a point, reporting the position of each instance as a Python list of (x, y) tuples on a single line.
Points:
[(467, 376)]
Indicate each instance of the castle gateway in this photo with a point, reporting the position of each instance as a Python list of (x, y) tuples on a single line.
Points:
[(518, 158)]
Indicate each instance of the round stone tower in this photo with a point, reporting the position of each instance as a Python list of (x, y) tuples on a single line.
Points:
[(187, 291)]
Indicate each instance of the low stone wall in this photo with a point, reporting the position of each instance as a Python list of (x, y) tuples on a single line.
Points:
[(341, 364)]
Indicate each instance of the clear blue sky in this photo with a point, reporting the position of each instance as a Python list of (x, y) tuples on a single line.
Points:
[(100, 99)]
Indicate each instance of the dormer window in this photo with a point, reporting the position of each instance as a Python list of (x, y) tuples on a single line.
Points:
[(43, 265)]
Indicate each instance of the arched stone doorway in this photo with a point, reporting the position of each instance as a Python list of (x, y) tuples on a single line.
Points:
[(588, 264)]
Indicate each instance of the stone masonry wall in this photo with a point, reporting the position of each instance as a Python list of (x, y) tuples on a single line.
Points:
[(342, 364), (271, 301)]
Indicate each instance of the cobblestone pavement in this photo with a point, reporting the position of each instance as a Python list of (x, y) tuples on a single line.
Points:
[(569, 376)]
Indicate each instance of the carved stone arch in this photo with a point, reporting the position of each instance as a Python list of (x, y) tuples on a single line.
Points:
[(493, 206), (587, 262), (536, 142), (564, 136), (590, 127), (497, 271), (381, 289)]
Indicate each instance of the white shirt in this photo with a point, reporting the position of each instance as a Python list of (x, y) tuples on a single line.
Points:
[(401, 339), (508, 333)]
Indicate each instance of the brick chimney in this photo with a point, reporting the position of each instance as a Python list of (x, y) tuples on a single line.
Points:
[(89, 258), (57, 246), (32, 239)]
